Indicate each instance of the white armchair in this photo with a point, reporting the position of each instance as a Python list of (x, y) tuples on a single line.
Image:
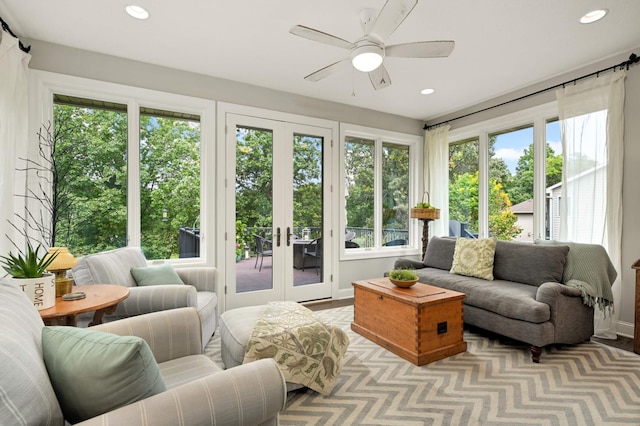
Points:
[(114, 267), (197, 391)]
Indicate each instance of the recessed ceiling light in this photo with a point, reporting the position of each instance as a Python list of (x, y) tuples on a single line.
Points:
[(137, 12), (593, 16), (427, 91)]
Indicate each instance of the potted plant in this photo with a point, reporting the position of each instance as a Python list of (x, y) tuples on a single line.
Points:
[(29, 272), (404, 278)]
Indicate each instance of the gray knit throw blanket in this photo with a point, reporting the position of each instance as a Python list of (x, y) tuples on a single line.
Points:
[(590, 270)]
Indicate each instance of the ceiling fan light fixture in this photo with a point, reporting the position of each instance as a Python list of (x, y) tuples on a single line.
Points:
[(137, 12), (593, 16), (367, 58)]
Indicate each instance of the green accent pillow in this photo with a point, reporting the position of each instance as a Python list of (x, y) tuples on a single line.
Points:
[(474, 258), (93, 372), (156, 275)]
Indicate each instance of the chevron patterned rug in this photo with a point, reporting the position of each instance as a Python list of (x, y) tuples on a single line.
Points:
[(493, 383)]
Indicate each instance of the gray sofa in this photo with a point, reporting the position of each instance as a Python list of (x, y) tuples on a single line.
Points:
[(197, 391), (114, 267), (526, 300)]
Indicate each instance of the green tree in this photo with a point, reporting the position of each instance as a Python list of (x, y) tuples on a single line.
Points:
[(521, 188), (91, 150), (169, 182), (463, 202)]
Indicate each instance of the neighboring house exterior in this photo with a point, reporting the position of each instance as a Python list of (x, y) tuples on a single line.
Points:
[(524, 213), (591, 187)]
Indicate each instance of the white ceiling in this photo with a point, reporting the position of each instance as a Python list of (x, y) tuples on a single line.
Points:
[(501, 45)]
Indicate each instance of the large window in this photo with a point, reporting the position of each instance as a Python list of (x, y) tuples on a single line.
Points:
[(500, 175), (463, 188), (93, 195), (169, 184), (379, 180)]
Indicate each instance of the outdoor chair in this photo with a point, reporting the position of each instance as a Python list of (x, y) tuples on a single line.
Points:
[(351, 244), (313, 250), (398, 242), (263, 248)]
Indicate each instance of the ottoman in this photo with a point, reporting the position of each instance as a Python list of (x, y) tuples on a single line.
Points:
[(236, 326)]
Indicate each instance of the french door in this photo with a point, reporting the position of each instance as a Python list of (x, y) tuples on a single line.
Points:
[(278, 241)]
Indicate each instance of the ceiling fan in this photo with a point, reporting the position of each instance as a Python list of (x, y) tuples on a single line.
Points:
[(368, 52)]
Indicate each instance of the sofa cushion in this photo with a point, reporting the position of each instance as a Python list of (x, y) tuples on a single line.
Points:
[(529, 263), (94, 372), (440, 253), (27, 397), (109, 267), (474, 258), (156, 275), (506, 298)]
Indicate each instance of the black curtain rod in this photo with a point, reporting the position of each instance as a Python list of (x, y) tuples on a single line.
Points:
[(5, 27), (633, 59)]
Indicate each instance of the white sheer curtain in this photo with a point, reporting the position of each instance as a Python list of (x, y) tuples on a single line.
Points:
[(436, 176), (592, 125), (13, 133)]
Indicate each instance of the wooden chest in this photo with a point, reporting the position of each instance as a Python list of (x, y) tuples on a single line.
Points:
[(421, 324)]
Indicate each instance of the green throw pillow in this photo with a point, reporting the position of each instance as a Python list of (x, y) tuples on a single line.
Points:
[(474, 258), (93, 372), (155, 275)]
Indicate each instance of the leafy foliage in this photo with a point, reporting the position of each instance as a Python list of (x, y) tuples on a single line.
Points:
[(91, 151), (403, 274)]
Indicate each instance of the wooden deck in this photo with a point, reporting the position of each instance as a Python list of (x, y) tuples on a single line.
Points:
[(250, 278)]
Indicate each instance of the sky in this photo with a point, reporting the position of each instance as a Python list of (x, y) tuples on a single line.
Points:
[(510, 146)]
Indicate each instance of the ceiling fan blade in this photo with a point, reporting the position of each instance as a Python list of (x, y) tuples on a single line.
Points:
[(380, 78), (421, 49), (328, 70), (319, 36), (391, 16)]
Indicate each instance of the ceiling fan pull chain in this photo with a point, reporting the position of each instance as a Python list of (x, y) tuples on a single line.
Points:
[(353, 82)]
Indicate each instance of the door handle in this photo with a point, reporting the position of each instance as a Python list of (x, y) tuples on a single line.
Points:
[(278, 237), (288, 236)]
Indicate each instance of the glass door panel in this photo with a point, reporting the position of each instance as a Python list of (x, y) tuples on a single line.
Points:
[(254, 209), (307, 209)]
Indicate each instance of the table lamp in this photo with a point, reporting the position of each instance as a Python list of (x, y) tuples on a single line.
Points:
[(60, 265)]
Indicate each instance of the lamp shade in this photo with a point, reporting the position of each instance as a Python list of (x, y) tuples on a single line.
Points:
[(367, 58), (63, 261)]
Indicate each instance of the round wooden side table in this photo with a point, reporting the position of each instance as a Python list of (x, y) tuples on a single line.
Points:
[(101, 299)]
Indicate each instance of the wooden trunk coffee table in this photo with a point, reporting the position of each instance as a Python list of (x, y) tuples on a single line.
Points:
[(101, 298), (421, 324)]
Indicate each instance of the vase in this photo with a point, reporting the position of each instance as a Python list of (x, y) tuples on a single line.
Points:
[(41, 291)]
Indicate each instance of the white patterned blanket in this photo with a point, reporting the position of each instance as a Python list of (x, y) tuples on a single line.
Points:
[(308, 351)]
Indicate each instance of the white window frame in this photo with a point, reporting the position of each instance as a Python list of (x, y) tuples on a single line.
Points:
[(45, 84), (537, 117), (380, 136)]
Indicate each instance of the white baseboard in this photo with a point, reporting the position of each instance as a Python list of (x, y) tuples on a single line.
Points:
[(625, 329), (345, 293)]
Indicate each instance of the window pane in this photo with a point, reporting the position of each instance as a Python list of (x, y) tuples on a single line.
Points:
[(169, 186), (90, 187), (511, 185), (553, 179), (307, 208), (463, 189), (395, 194), (254, 207), (359, 175)]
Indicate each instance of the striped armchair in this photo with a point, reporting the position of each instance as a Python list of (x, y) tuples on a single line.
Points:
[(197, 391), (114, 267)]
